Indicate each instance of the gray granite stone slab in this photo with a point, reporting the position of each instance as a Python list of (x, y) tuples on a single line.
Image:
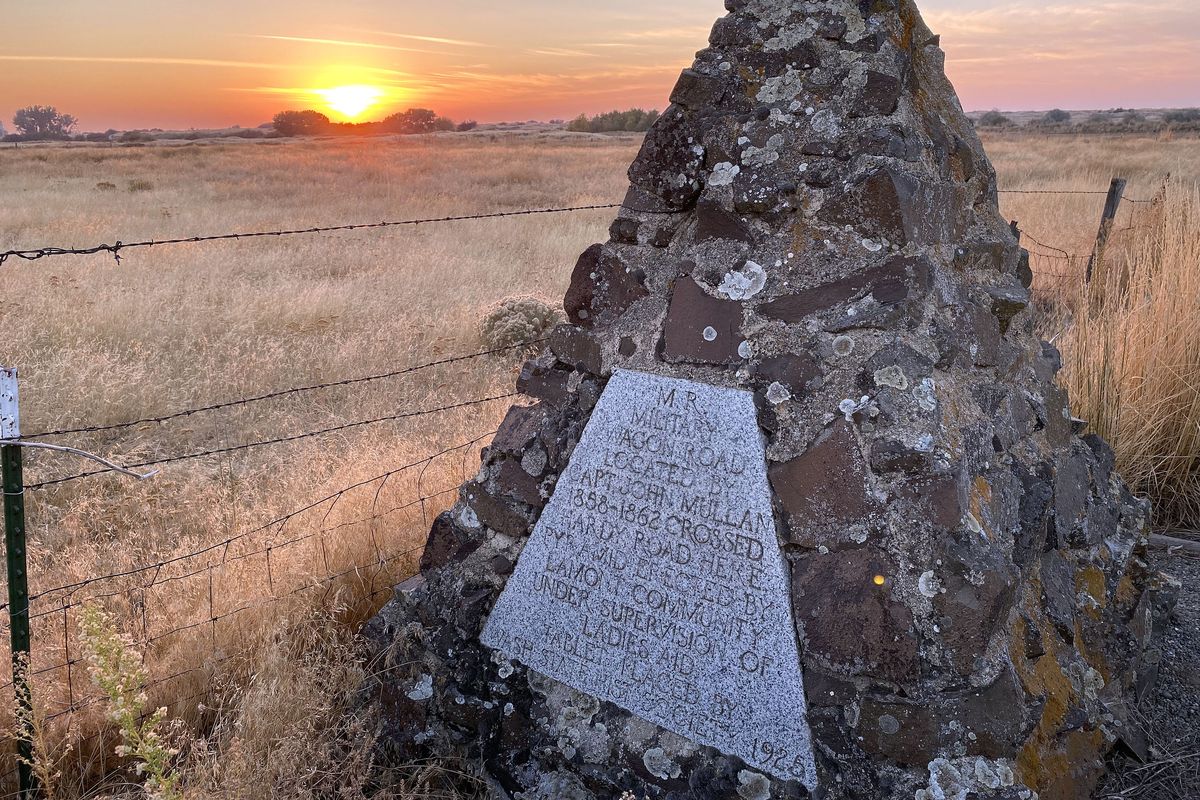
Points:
[(654, 579)]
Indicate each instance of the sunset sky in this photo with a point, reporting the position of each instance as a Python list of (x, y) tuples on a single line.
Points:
[(182, 63)]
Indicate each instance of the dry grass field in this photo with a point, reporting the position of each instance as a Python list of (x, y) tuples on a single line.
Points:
[(265, 656)]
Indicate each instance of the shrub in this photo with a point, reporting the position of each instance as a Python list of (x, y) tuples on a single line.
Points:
[(469, 125), (106, 186), (994, 119), (517, 320), (301, 123), (1056, 117), (140, 185), (1133, 118), (1182, 115), (43, 122), (135, 136)]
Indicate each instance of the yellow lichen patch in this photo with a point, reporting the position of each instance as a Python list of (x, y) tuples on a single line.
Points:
[(1090, 581), (981, 502), (1045, 678), (1127, 595)]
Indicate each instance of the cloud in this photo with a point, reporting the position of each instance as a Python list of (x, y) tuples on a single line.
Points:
[(559, 52), (338, 43), (417, 38), (175, 62)]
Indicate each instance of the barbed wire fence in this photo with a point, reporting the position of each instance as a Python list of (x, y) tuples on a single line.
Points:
[(334, 547)]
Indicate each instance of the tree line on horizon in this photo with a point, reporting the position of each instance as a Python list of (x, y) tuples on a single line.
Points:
[(1115, 118), (413, 121), (633, 120), (46, 123)]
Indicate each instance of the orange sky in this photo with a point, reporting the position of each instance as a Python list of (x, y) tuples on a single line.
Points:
[(182, 63)]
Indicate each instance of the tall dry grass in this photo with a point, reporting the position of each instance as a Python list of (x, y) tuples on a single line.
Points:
[(1132, 348), (263, 689)]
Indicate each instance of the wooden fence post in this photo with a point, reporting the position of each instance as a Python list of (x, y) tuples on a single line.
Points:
[(1116, 191)]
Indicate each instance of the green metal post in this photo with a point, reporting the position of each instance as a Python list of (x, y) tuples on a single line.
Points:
[(18, 576)]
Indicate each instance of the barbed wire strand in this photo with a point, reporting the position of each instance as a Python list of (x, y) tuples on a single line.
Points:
[(225, 543), (284, 393), (279, 440), (35, 254)]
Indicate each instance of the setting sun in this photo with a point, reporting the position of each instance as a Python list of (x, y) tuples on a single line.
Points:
[(351, 101)]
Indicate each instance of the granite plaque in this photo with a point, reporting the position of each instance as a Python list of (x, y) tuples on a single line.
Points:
[(654, 579)]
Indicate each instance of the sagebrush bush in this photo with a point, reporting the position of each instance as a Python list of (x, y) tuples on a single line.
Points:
[(118, 670), (517, 320), (106, 186), (139, 185)]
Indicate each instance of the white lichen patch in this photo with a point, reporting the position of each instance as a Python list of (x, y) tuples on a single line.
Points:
[(925, 395), (826, 123), (746, 350), (762, 156), (753, 786), (778, 393), (929, 585), (872, 245), (783, 88), (889, 725), (723, 174), (709, 334), (961, 777), (850, 407), (744, 283), (422, 690), (843, 346), (892, 376), (467, 517), (659, 765)]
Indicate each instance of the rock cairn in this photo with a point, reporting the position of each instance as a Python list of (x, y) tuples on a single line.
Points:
[(814, 220)]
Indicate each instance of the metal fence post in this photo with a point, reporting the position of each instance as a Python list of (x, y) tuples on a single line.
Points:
[(18, 576)]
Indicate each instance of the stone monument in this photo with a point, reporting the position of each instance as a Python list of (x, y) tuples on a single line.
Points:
[(799, 510)]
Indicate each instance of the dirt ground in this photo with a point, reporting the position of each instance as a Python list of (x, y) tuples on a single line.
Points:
[(1170, 713)]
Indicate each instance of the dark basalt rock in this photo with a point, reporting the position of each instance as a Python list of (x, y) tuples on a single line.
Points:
[(701, 328), (967, 575), (848, 619)]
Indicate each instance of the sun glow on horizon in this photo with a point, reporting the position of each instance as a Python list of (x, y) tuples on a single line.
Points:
[(351, 101)]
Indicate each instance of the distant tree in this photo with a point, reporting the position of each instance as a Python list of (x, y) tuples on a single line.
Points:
[(2, 131), (1182, 115), (1056, 117), (43, 122), (301, 123), (468, 125), (416, 120), (994, 119)]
